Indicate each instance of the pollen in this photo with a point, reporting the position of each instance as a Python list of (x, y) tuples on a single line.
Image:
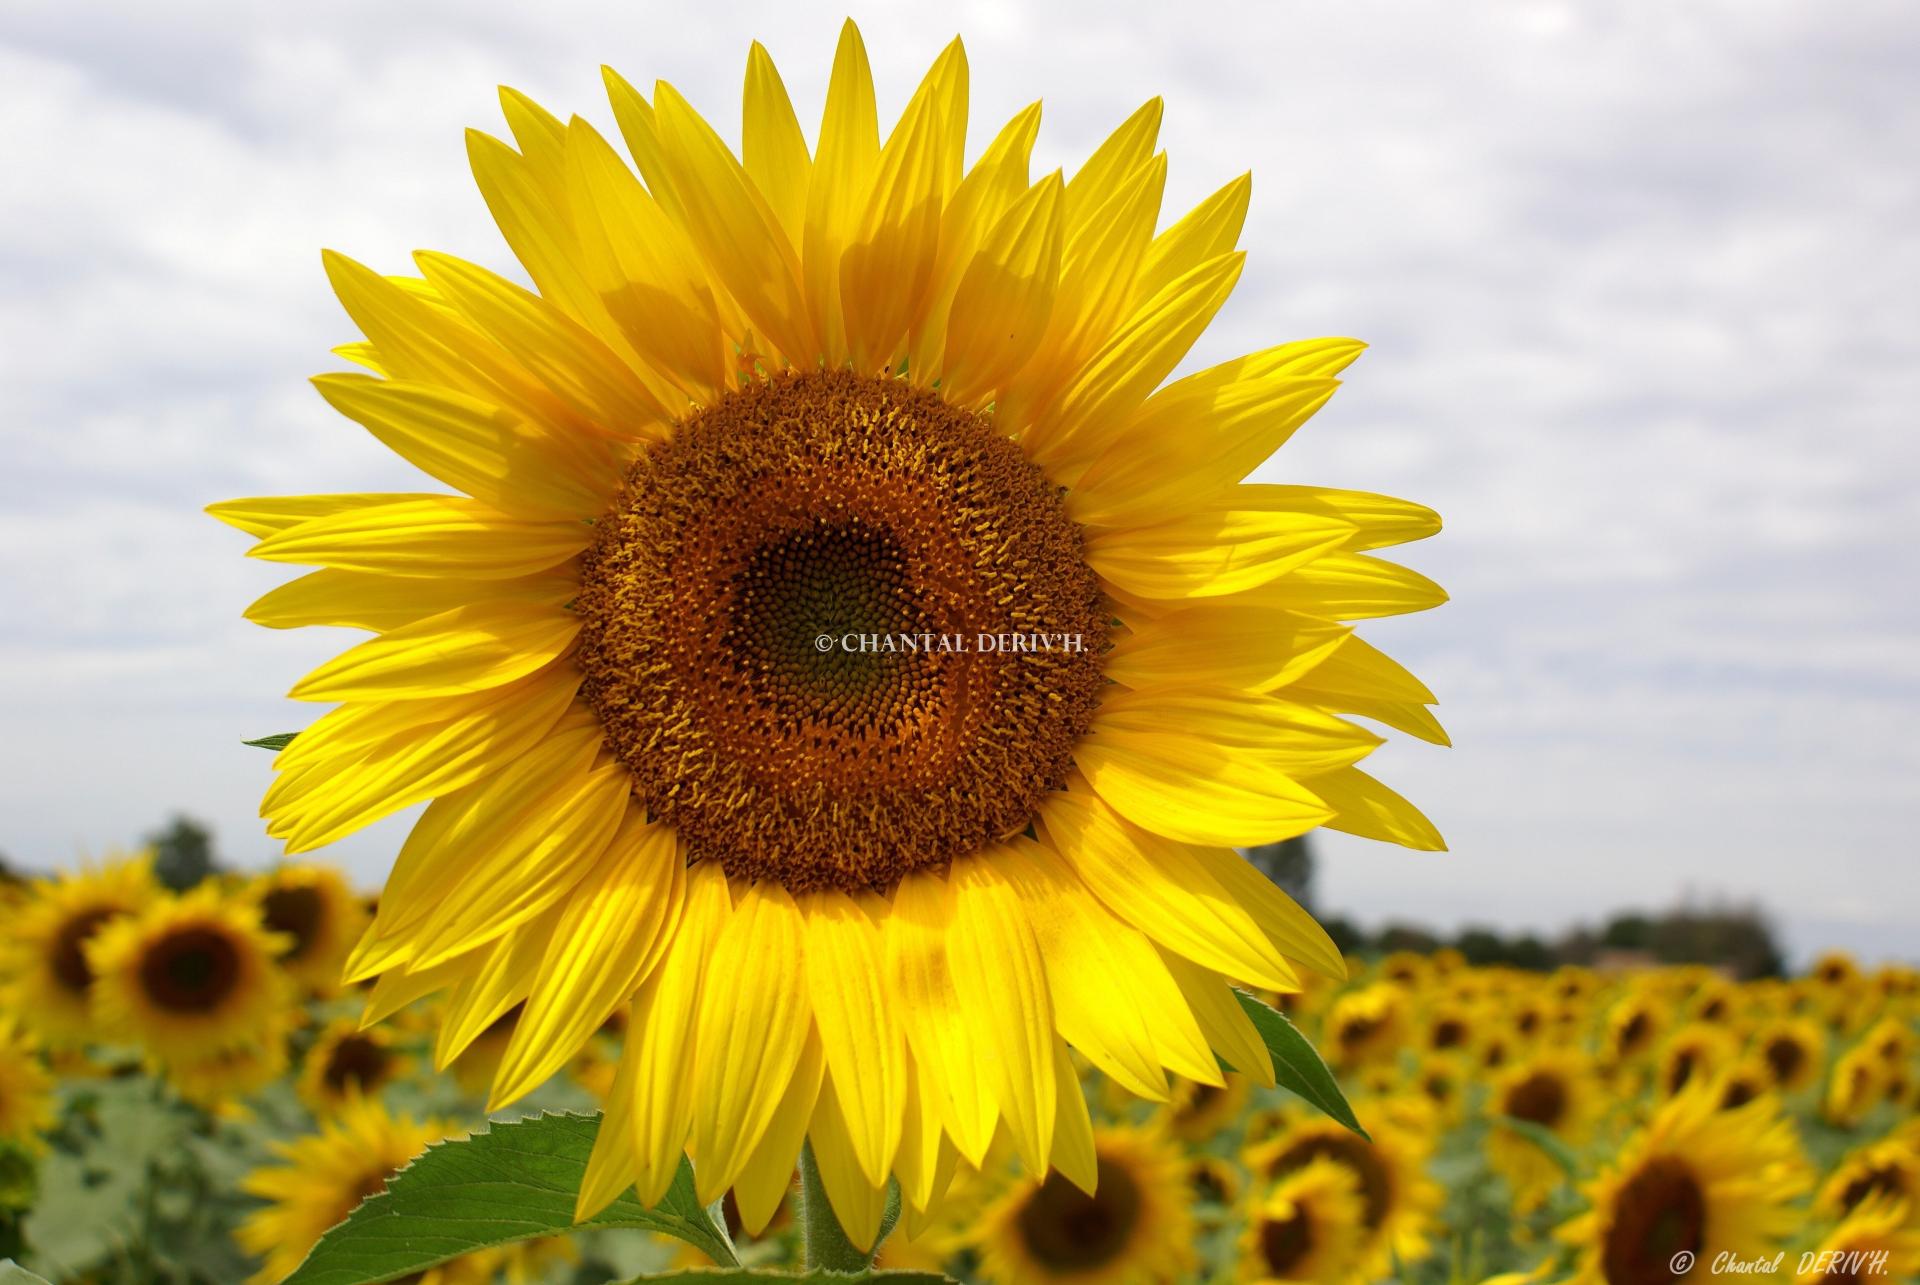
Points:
[(736, 599)]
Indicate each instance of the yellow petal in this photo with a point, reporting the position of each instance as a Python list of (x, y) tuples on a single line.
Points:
[(1001, 308), (1073, 1151), (662, 1031), (843, 169), (358, 600), (739, 236), (1163, 890), (431, 536), (1227, 1026), (607, 939), (1213, 646), (1296, 738), (771, 145), (1210, 229), (611, 1165), (1294, 932), (1121, 155), (937, 1028), (1346, 586), (1002, 986), (265, 515), (768, 1174), (859, 1028), (1192, 791), (1378, 520), (494, 983), (917, 1163), (396, 990), (857, 1203), (751, 1031), (465, 649), (1213, 552), (1365, 807)]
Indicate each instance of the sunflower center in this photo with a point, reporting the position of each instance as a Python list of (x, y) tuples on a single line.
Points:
[(1066, 1230), (1879, 1180), (68, 958), (1785, 1057), (1539, 1099), (1660, 1212), (357, 1063), (295, 911), (190, 971), (1449, 1033), (1285, 1243), (1358, 1157), (838, 630)]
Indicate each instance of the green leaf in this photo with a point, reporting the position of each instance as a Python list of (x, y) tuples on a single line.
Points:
[(1297, 1068), (11, 1273), (742, 1276), (513, 1181), (1545, 1139), (277, 742)]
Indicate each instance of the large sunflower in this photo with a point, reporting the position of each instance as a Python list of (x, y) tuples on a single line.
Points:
[(189, 976), (1697, 1181), (1134, 1227), (837, 644), (49, 980)]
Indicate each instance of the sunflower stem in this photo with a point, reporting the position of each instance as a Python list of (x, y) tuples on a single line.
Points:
[(826, 1243)]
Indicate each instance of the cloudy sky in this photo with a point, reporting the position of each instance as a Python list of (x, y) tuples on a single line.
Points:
[(1642, 285)]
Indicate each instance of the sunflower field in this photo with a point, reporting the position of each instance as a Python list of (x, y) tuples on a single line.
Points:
[(188, 1095)]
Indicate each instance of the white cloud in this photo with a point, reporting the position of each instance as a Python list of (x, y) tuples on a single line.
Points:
[(1640, 281)]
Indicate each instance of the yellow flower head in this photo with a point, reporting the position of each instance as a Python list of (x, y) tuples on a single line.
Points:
[(1554, 1090), (1889, 1167), (319, 914), (1133, 1227), (26, 1089), (1878, 1240), (1398, 1200), (1309, 1227), (189, 976), (1793, 1049), (838, 642), (49, 981), (1366, 1025), (1698, 1181), (346, 1061)]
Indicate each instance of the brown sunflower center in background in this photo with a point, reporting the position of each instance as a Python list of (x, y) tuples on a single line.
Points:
[(1539, 1099), (69, 955), (783, 620), (357, 1062), (297, 911), (1285, 1243), (1658, 1213), (1066, 1230), (190, 970)]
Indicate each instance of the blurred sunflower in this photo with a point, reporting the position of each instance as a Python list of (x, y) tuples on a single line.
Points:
[(1309, 1227), (326, 1176), (1744, 1081), (26, 1089), (1888, 1167), (1555, 1090), (1857, 1084), (1130, 1224), (188, 976), (1366, 1025), (49, 979), (1694, 1054), (1876, 1241), (218, 1080), (346, 1061), (320, 916), (1696, 1180), (760, 407), (1793, 1050), (1398, 1200), (1197, 1110), (1634, 1025)]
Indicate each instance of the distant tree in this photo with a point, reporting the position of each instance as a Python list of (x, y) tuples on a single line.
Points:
[(1288, 863), (1629, 931), (1481, 946), (1736, 938), (182, 853), (1406, 937), (1345, 933)]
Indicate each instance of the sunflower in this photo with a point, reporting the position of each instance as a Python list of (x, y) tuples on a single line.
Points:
[(1555, 1090), (1634, 1025), (1697, 1052), (1132, 1226), (189, 976), (1366, 1025), (1877, 1241), (1308, 1227), (26, 1089), (1793, 1049), (1697, 1180), (836, 610), (317, 911), (1889, 1167), (1856, 1085), (346, 1061), (326, 1176), (1197, 1110), (49, 978), (219, 1079), (1398, 1201)]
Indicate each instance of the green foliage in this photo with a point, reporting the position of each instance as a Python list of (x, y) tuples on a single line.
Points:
[(740, 1276), (512, 1182), (276, 742), (11, 1273), (182, 853), (1296, 1066)]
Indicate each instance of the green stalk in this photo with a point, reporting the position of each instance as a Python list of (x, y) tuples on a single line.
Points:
[(826, 1244)]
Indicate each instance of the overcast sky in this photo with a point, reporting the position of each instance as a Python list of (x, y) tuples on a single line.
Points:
[(1641, 282)]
